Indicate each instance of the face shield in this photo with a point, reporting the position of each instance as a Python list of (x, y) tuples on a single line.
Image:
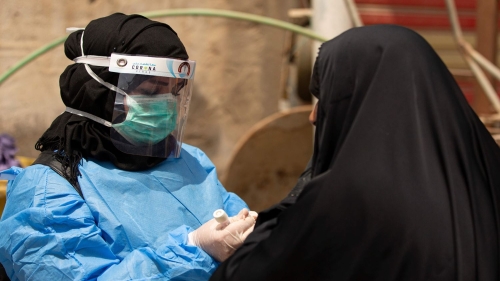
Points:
[(151, 104)]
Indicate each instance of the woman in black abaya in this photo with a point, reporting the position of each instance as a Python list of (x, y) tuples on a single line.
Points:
[(405, 182)]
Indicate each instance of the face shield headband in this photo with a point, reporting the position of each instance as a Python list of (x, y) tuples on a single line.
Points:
[(151, 105)]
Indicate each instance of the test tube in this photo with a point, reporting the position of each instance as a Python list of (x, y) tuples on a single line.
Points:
[(220, 216)]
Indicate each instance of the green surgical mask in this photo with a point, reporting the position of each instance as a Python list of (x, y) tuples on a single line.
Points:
[(150, 119)]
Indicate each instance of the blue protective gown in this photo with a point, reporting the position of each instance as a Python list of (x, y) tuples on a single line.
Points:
[(131, 225)]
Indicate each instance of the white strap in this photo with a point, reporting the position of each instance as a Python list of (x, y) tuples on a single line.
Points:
[(108, 85), (81, 44), (93, 60), (88, 115), (93, 75)]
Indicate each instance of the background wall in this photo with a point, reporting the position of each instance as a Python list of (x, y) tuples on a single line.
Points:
[(245, 72), (239, 66)]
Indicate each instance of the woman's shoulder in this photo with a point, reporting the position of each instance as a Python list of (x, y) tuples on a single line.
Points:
[(194, 151), (37, 186), (36, 177), (17, 174), (198, 154), (191, 149)]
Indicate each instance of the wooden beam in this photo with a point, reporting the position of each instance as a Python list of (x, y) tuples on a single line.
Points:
[(486, 32)]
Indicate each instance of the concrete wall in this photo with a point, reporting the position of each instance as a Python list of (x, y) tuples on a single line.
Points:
[(238, 73)]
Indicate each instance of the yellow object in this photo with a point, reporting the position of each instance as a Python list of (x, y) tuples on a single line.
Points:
[(25, 162), (3, 194)]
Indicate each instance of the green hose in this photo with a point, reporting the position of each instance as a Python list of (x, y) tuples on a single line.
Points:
[(173, 13), (30, 57)]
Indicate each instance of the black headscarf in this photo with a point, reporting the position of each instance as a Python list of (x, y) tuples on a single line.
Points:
[(75, 137), (406, 179)]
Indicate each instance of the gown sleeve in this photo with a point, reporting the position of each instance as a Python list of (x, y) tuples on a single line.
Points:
[(54, 237), (232, 202)]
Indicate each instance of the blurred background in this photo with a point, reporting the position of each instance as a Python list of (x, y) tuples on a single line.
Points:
[(250, 101)]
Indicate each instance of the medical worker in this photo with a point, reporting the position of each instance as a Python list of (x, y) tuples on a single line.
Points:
[(132, 202)]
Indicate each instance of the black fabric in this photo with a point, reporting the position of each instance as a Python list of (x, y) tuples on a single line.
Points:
[(3, 274), (74, 137), (405, 180)]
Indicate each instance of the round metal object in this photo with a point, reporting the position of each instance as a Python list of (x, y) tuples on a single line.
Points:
[(121, 62)]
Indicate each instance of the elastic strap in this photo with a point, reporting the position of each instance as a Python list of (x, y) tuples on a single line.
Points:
[(88, 115), (93, 60), (108, 85), (92, 74)]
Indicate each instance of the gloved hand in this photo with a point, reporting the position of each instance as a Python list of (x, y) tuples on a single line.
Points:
[(221, 240)]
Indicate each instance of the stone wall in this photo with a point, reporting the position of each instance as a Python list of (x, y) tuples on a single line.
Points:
[(238, 72)]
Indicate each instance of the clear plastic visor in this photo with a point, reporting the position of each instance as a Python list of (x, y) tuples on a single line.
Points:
[(149, 118)]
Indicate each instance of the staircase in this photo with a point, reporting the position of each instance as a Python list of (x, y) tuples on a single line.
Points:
[(430, 19)]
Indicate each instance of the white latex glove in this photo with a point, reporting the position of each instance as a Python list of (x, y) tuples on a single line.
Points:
[(221, 240)]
